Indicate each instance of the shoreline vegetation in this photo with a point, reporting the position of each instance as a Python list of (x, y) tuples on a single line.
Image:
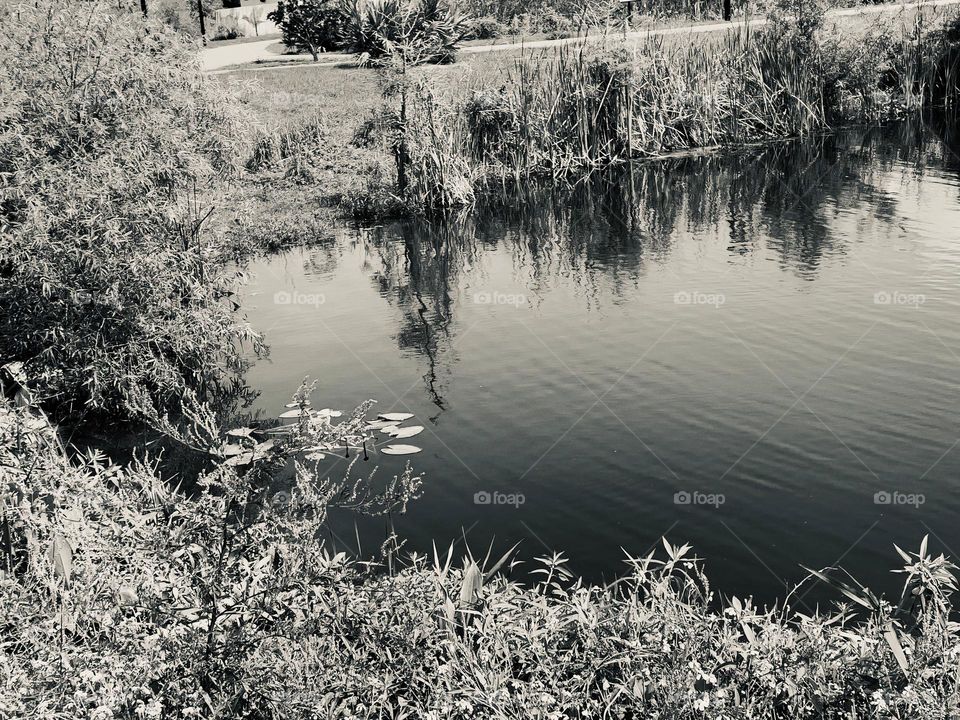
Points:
[(126, 597), (561, 115), (129, 592)]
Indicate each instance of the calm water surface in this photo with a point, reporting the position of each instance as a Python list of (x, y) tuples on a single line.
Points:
[(779, 328)]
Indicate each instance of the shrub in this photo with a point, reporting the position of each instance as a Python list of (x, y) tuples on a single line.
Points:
[(313, 26), (554, 25), (169, 13), (183, 15), (485, 28), (374, 198), (116, 295), (409, 32), (226, 29), (129, 599)]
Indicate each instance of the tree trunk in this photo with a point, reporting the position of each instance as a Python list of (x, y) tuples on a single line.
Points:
[(402, 145), (203, 26)]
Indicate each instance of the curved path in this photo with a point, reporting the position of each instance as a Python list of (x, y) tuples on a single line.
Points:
[(226, 57)]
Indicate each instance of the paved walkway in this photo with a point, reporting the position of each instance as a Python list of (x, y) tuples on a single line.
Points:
[(271, 51), (222, 56)]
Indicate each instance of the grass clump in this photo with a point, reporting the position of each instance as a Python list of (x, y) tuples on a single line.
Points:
[(295, 147)]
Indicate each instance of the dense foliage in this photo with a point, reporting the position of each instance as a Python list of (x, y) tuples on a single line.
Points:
[(313, 26), (123, 598), (115, 291), (409, 31), (420, 31)]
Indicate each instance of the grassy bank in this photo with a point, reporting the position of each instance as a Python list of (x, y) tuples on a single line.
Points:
[(124, 598)]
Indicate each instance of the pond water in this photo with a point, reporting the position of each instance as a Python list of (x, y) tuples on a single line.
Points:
[(757, 354)]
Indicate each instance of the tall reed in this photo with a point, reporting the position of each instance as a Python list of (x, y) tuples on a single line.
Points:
[(583, 108)]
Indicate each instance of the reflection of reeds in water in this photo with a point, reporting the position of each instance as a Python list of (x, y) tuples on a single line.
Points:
[(600, 235), (419, 271), (772, 196)]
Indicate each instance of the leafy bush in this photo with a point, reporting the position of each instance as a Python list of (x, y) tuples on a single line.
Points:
[(169, 12), (115, 294), (313, 26), (555, 25), (226, 29), (485, 28), (408, 32), (183, 15)]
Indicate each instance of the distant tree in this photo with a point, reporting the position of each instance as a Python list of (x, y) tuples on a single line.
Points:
[(209, 7), (404, 32), (311, 25), (393, 36)]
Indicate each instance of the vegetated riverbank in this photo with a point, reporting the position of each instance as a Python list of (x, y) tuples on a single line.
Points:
[(565, 113), (580, 112), (125, 598)]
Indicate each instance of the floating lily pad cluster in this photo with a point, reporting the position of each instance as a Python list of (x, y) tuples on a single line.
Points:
[(389, 424), (314, 435)]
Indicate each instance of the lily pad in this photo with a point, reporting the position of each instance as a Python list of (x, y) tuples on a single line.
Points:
[(381, 424), (295, 413), (240, 432), (296, 405), (405, 432), (395, 417), (400, 450)]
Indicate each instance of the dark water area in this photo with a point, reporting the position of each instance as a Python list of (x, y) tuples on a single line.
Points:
[(757, 354)]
